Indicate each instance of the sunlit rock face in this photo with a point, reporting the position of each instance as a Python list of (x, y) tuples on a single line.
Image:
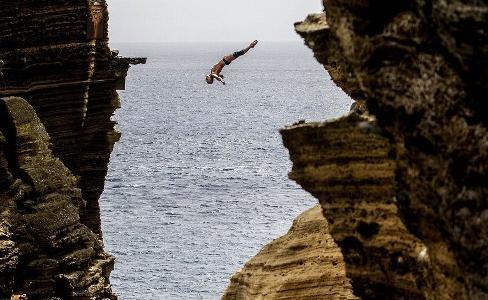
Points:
[(346, 165), (45, 250), (303, 264)]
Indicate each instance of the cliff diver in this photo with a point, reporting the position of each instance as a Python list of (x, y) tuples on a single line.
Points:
[(225, 61)]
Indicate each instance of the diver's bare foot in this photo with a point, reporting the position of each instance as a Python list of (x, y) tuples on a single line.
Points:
[(253, 44)]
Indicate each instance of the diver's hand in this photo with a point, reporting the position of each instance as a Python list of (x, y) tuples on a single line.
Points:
[(221, 79), (253, 44)]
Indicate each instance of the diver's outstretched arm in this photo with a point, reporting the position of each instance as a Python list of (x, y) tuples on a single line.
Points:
[(219, 78)]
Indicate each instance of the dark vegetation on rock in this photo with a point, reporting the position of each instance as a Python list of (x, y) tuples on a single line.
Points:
[(46, 250)]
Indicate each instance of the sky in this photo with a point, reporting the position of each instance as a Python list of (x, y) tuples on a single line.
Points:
[(207, 20)]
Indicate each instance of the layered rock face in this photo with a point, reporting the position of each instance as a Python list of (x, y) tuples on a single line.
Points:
[(345, 164), (57, 57), (420, 68), (58, 78), (44, 249), (403, 187), (304, 264)]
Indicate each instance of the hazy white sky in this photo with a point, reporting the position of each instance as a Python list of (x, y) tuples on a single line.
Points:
[(206, 20)]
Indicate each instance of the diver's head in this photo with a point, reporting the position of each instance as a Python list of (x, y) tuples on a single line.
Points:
[(209, 79)]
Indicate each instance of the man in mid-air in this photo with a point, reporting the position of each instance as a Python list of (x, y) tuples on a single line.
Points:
[(215, 72)]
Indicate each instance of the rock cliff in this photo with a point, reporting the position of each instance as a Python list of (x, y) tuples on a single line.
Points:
[(56, 56), (58, 80), (304, 264), (45, 249), (346, 165), (403, 187)]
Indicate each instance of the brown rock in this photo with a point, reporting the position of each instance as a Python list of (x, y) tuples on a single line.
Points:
[(345, 164), (316, 33), (41, 238), (303, 264), (421, 69), (57, 57)]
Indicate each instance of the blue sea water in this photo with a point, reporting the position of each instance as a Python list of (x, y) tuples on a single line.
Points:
[(198, 183)]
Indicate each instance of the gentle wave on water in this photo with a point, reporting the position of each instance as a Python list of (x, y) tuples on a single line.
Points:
[(198, 183)]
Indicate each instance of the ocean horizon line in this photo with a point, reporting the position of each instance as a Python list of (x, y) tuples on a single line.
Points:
[(200, 42)]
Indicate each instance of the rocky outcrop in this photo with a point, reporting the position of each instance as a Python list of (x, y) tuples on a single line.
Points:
[(57, 57), (345, 164), (303, 264), (58, 78), (44, 249), (405, 195), (316, 33), (421, 66)]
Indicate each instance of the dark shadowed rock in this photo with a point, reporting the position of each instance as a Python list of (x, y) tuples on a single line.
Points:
[(45, 250), (54, 148), (405, 195), (422, 68), (59, 61)]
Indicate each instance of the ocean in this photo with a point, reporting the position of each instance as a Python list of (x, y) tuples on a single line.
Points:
[(198, 183)]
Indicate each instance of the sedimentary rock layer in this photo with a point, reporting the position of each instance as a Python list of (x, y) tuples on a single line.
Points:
[(56, 56), (316, 33), (303, 264), (421, 68), (345, 164), (429, 95), (45, 250), (55, 149)]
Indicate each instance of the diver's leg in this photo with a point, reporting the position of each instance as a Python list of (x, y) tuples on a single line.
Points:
[(244, 51), (226, 60), (231, 57)]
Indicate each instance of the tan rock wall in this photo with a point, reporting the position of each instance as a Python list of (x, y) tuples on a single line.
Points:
[(345, 164), (303, 264), (420, 67)]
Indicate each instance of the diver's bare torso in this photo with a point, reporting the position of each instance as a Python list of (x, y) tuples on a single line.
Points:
[(226, 60)]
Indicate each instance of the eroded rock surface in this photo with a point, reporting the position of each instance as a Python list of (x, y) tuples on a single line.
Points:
[(422, 67), (303, 264), (45, 250), (56, 56), (346, 165), (421, 70), (316, 32), (54, 148)]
